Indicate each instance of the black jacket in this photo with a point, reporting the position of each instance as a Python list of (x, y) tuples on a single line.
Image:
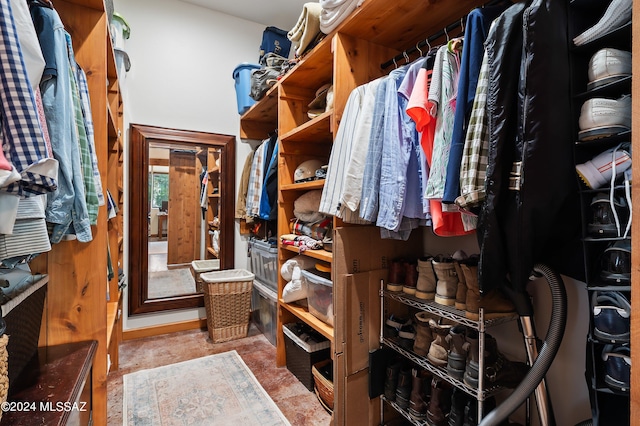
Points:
[(530, 121)]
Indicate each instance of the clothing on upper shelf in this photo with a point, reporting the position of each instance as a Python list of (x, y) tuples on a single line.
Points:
[(334, 12), (306, 29)]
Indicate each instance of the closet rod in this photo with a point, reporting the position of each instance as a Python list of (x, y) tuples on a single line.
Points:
[(446, 30)]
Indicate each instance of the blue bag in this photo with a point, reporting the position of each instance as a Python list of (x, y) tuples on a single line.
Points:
[(275, 40)]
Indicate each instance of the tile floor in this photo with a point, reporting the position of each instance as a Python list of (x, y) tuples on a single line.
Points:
[(300, 406)]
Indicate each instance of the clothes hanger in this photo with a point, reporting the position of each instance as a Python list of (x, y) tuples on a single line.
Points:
[(406, 56), (395, 64), (446, 34), (419, 50)]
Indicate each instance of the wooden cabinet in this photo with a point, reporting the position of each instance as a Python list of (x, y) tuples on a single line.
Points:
[(82, 302)]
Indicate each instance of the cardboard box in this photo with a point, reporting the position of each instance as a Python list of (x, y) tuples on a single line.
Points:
[(352, 404), (358, 332)]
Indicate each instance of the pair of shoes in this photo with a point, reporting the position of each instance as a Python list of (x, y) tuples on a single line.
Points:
[(618, 14), (498, 370), (393, 324), (403, 276), (611, 316), (607, 66), (601, 117), (617, 366)]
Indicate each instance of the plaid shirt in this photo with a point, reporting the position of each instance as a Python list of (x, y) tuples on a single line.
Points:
[(473, 170), (22, 138), (86, 163), (83, 87), (255, 181)]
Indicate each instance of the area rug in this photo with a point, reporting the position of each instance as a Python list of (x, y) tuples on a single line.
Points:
[(174, 282), (213, 390)]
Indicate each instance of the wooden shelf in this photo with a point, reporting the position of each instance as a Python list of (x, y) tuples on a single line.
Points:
[(303, 313), (316, 130), (312, 71), (212, 252), (262, 117), (323, 255), (214, 195), (304, 186)]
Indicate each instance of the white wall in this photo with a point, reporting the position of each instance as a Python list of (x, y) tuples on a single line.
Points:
[(182, 62)]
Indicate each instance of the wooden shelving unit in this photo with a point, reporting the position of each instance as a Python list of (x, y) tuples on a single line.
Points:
[(86, 305)]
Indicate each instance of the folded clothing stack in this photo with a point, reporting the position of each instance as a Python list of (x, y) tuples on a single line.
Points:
[(334, 12), (307, 27)]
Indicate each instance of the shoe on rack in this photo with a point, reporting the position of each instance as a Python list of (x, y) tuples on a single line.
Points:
[(498, 370), (617, 365), (607, 66), (611, 316), (410, 278), (459, 401), (598, 171), (601, 117), (493, 303), (461, 292), (396, 275), (424, 336), (407, 336), (439, 349), (419, 399), (426, 285), (393, 324), (440, 403), (457, 357), (618, 14), (447, 283), (615, 263), (391, 380), (603, 216), (403, 389)]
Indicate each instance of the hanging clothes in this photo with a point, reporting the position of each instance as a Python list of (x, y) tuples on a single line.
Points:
[(67, 207), (478, 23), (27, 167), (241, 202), (256, 177), (531, 207), (419, 108), (342, 152), (269, 197)]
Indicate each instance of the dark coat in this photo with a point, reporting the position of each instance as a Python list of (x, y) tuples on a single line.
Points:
[(530, 121)]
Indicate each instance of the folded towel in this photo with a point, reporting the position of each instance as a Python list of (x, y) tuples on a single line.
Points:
[(307, 27), (334, 12)]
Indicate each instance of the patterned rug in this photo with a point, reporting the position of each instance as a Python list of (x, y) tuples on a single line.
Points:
[(175, 282), (213, 390)]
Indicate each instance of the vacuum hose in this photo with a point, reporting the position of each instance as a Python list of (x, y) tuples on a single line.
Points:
[(547, 352)]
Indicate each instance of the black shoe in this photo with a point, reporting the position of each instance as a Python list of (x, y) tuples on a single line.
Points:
[(617, 365), (403, 390), (391, 381)]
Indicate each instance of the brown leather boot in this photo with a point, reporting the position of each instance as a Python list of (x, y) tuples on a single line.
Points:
[(494, 303), (439, 347), (424, 337), (396, 275), (447, 284), (440, 403), (419, 399), (410, 278), (426, 286), (461, 292), (498, 370), (457, 358)]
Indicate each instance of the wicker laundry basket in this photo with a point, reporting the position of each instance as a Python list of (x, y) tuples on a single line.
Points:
[(227, 299), (199, 267)]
